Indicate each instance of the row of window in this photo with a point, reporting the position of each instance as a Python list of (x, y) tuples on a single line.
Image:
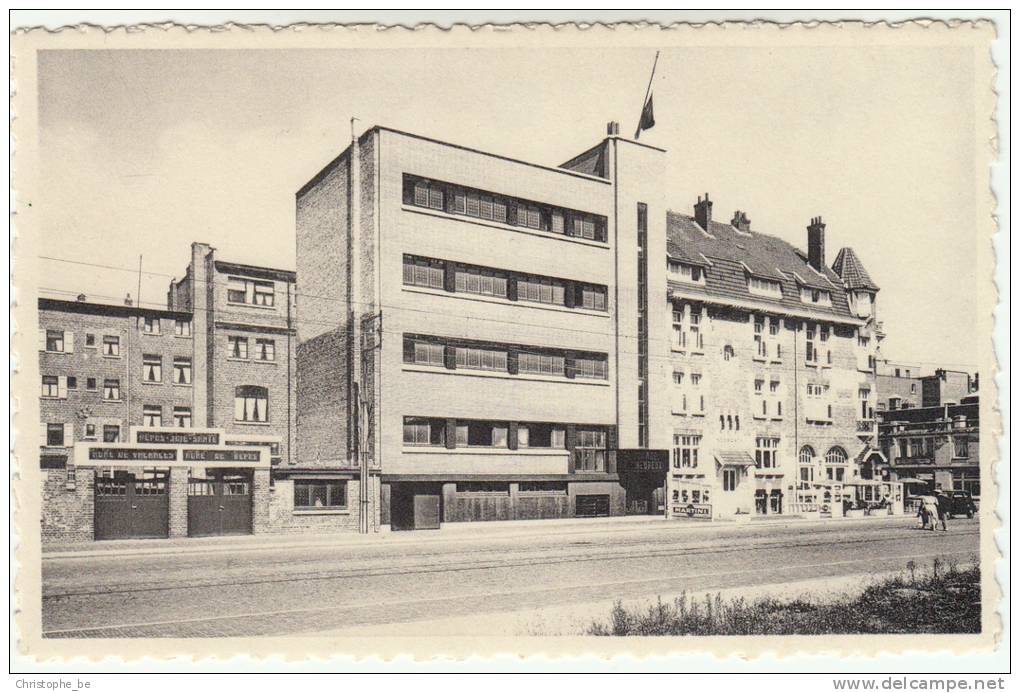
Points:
[(688, 397), (688, 335), (62, 341), (756, 286), (422, 431), (152, 369), (463, 201), (252, 292), (511, 360), (459, 278), (57, 387), (686, 448), (62, 434), (924, 447), (502, 488), (251, 402), (237, 348)]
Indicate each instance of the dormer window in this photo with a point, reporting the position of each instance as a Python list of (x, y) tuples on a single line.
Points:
[(687, 273), (768, 288), (861, 303), (817, 297)]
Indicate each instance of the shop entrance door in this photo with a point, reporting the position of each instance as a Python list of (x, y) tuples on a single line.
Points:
[(415, 506), (776, 502)]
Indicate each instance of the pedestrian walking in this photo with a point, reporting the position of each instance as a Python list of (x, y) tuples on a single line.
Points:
[(945, 507), (929, 512)]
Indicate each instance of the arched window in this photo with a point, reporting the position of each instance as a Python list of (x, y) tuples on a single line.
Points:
[(806, 454), (835, 455), (251, 403)]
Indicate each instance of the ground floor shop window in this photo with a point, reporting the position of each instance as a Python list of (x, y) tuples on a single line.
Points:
[(967, 480), (491, 488), (320, 495), (552, 488)]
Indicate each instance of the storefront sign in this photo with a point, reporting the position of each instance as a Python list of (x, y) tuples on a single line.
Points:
[(693, 510), (132, 454), (221, 455), (178, 437), (641, 461)]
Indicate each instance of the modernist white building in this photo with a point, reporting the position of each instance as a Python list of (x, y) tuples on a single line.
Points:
[(497, 339)]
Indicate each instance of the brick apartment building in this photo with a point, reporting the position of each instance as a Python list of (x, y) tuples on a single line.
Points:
[(518, 341), (935, 447), (931, 442), (118, 380)]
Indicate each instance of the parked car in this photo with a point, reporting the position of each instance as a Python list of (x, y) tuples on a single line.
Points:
[(962, 504)]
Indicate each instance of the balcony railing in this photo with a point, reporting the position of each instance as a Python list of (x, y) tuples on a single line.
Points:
[(865, 426)]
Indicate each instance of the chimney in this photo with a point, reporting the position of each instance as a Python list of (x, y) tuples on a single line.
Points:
[(82, 298), (741, 222), (703, 212), (612, 128), (816, 243), (128, 301)]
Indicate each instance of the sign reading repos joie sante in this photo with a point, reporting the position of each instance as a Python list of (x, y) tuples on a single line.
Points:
[(178, 437)]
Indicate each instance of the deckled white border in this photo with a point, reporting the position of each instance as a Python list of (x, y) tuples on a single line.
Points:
[(1000, 183)]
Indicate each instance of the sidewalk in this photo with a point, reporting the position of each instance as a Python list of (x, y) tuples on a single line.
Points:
[(454, 532), (574, 619)]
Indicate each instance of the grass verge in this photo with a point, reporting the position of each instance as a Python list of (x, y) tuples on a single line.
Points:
[(942, 599)]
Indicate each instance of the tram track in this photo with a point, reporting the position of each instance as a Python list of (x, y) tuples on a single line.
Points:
[(279, 621), (547, 555)]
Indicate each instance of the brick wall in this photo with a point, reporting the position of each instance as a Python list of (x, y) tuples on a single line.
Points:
[(261, 499), (67, 514), (281, 517), (321, 233), (179, 501), (229, 373), (322, 419)]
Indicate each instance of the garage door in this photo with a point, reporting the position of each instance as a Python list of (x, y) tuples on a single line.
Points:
[(219, 503), (132, 505)]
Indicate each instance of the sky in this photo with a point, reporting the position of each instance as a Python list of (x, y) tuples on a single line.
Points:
[(144, 151)]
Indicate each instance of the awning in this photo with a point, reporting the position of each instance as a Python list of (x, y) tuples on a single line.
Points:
[(864, 482), (910, 480), (734, 458)]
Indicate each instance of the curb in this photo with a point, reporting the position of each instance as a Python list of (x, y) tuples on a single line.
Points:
[(248, 543)]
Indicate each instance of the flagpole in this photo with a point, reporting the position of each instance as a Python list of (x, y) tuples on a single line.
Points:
[(648, 91)]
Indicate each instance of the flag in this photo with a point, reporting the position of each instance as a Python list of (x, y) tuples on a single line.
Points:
[(647, 121)]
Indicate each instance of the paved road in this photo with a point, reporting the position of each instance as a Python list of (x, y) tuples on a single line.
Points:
[(301, 588)]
